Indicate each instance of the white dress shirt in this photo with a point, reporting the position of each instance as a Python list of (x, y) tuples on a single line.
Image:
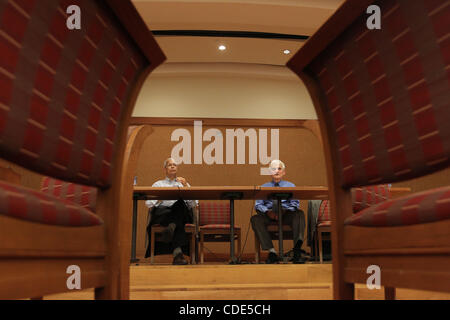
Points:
[(167, 203)]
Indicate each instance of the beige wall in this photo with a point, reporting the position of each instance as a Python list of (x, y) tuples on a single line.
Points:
[(224, 91)]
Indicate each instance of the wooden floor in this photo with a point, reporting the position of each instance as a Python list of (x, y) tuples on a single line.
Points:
[(220, 281)]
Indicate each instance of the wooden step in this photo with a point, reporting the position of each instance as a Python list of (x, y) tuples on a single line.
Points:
[(257, 293), (248, 286), (277, 274), (241, 282)]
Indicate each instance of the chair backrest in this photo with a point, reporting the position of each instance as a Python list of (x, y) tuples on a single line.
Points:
[(324, 211), (214, 213), (63, 93), (385, 94), (84, 196), (365, 197), (362, 198)]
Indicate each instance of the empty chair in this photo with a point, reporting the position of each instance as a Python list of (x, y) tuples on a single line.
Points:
[(323, 227), (214, 225)]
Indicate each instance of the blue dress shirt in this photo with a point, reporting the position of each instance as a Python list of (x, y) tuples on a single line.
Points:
[(266, 205)]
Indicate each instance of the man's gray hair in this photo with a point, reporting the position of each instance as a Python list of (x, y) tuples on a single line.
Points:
[(277, 163), (167, 161)]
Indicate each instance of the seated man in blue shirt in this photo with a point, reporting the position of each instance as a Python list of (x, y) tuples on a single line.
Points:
[(266, 212), (173, 214)]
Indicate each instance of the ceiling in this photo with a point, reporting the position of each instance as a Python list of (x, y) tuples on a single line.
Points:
[(252, 22)]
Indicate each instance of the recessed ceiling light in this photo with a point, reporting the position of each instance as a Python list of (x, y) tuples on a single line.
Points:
[(222, 47), (287, 51)]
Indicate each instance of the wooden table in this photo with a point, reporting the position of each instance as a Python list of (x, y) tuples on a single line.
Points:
[(230, 193)]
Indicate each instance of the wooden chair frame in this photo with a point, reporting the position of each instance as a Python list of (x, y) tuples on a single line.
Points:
[(320, 237), (407, 258), (220, 232), (224, 231), (155, 230)]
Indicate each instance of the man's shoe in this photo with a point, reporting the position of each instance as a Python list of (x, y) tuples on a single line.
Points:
[(179, 260), (272, 258), (298, 259)]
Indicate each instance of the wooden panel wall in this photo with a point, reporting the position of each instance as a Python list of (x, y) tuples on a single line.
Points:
[(299, 149)]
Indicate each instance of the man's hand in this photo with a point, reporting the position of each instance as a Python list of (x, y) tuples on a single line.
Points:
[(182, 181)]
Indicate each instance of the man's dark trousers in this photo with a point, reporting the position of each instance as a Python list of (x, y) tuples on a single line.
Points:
[(295, 219), (179, 214)]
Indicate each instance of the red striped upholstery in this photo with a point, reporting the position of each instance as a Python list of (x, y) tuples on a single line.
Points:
[(27, 204), (387, 93), (365, 197), (324, 218), (83, 196), (422, 207), (214, 213), (324, 223), (62, 92), (362, 198)]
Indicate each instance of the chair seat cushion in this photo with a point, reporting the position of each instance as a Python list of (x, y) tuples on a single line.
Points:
[(324, 223), (32, 205), (217, 226), (422, 207)]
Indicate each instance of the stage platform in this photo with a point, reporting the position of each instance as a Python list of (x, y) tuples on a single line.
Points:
[(220, 281)]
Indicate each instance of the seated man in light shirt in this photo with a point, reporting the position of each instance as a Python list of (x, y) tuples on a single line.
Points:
[(266, 212), (173, 214)]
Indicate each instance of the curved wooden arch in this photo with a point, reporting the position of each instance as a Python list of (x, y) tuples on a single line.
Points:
[(314, 127), (136, 138)]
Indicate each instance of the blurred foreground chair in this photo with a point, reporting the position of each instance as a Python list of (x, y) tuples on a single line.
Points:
[(7, 174), (382, 99), (65, 102), (214, 225)]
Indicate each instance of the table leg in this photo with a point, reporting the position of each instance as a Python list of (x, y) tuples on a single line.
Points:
[(133, 234), (280, 231), (233, 259)]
